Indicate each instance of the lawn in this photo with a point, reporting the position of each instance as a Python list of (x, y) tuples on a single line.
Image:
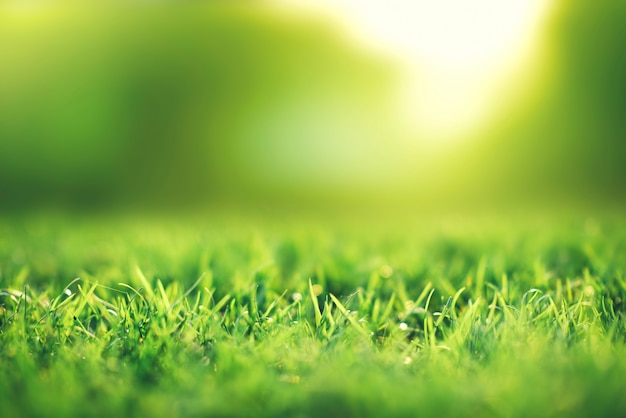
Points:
[(230, 316)]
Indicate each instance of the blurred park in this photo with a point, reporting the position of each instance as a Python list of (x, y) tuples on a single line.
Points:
[(167, 105)]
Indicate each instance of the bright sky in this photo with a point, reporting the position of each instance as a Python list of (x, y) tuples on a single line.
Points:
[(457, 53)]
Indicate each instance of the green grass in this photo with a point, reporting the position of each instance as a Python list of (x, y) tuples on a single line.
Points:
[(502, 318)]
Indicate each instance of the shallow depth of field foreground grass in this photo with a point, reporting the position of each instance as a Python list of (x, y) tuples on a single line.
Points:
[(490, 318)]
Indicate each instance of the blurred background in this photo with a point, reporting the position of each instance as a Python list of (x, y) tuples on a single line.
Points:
[(338, 104)]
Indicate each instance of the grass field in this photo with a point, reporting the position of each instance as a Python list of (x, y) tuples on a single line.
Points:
[(496, 317)]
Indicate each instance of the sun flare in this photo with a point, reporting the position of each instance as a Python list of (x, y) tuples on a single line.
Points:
[(457, 54)]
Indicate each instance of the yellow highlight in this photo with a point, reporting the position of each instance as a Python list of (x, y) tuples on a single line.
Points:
[(457, 56)]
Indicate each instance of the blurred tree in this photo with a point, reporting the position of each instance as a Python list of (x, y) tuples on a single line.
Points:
[(164, 104), (569, 145)]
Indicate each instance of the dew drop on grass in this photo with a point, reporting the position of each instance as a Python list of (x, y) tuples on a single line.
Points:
[(385, 271), (292, 379), (317, 289)]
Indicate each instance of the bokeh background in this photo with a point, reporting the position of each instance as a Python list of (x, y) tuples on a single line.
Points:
[(166, 105)]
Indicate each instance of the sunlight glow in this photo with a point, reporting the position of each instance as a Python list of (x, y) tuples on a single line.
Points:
[(457, 54)]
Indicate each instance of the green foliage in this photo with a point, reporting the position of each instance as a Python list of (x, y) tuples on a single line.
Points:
[(205, 319), (171, 103)]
